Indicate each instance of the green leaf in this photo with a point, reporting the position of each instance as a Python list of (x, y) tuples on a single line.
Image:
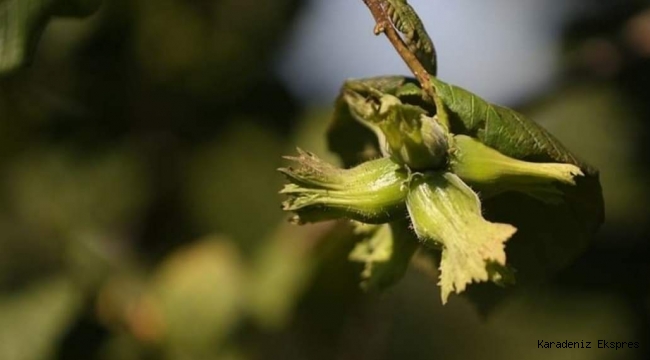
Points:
[(283, 269), (23, 21), (407, 21), (549, 236), (33, 321), (196, 297), (503, 129), (386, 251)]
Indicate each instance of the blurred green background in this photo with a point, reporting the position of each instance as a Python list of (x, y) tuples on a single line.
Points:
[(139, 214)]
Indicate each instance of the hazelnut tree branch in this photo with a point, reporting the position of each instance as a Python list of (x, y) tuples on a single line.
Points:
[(384, 25)]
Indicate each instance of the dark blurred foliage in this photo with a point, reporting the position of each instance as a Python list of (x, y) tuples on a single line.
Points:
[(139, 215)]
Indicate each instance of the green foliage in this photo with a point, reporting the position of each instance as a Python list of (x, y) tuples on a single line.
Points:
[(108, 178), (501, 128), (550, 235), (23, 21), (139, 214), (386, 251), (407, 21), (32, 321), (533, 186), (188, 316)]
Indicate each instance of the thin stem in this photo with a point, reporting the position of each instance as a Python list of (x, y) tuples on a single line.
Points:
[(384, 25)]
